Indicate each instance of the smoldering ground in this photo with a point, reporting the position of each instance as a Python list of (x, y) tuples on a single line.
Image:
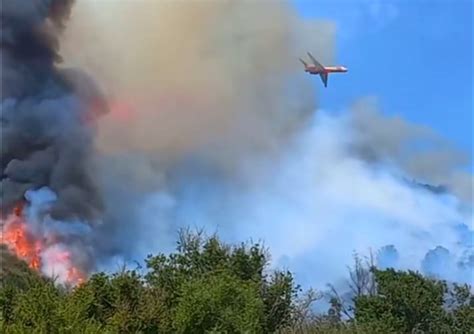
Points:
[(213, 124)]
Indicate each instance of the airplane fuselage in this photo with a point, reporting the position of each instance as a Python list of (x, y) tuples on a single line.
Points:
[(327, 69), (322, 71)]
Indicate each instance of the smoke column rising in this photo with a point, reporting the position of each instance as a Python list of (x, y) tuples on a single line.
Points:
[(213, 83), (213, 124), (47, 123)]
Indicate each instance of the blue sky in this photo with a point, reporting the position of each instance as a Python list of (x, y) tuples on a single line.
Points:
[(414, 55)]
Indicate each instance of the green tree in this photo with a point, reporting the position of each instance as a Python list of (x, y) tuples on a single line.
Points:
[(198, 259), (405, 301), (37, 309), (221, 303), (208, 286), (460, 309)]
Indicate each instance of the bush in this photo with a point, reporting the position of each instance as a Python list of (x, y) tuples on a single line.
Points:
[(207, 286), (219, 302)]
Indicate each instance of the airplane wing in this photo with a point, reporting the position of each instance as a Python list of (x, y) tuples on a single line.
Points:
[(304, 63), (315, 62), (324, 78)]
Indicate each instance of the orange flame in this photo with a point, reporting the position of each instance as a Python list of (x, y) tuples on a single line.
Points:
[(27, 247), (76, 276), (18, 240)]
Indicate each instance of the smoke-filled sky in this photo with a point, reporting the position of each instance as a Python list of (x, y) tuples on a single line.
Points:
[(421, 69), (214, 124)]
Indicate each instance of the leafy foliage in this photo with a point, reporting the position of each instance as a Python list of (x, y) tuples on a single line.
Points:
[(219, 303), (207, 286), (405, 301)]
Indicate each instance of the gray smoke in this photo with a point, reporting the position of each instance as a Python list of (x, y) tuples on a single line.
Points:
[(48, 118), (198, 89), (213, 124), (415, 149), (46, 113)]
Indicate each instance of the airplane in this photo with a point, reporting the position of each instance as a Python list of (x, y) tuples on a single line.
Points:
[(323, 71)]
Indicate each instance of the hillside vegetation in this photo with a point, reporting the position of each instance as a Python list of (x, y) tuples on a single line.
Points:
[(206, 286)]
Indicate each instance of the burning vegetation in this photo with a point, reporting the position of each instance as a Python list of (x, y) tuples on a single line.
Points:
[(19, 240), (208, 286), (46, 144), (22, 241)]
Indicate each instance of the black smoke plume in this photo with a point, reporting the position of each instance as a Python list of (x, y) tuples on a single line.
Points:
[(47, 113)]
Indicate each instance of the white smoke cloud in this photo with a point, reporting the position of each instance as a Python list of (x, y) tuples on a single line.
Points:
[(316, 204), (211, 127), (62, 249)]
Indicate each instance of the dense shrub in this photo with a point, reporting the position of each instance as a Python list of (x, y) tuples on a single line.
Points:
[(207, 286)]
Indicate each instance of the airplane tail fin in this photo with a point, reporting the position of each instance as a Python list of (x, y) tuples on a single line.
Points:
[(303, 62), (315, 62)]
